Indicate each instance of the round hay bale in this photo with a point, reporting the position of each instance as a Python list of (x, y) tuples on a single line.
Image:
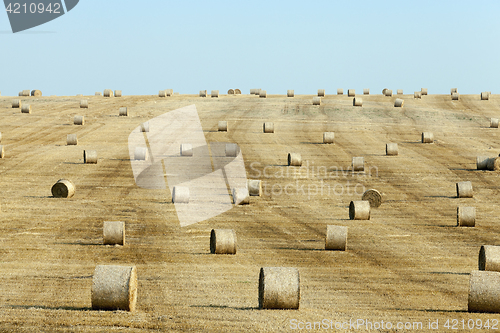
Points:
[(63, 188), (383, 91), (113, 233), (482, 162), (464, 189), (316, 100), (340, 91), (170, 92), (214, 94), (321, 92), (186, 149), (262, 94), (359, 210), (254, 187), (123, 112), (351, 92), (391, 149), (108, 93), (26, 108), (232, 150), (180, 194), (98, 93), (336, 238), (71, 140), (252, 91), (427, 137), (484, 292), (118, 93), (162, 93), (0, 136), (223, 241), (328, 137), (78, 95), (90, 156), (455, 96), (489, 258), (398, 103), (279, 288), (114, 288), (2, 151), (388, 93), (399, 92), (423, 91), (356, 101), (290, 93), (453, 90), (16, 104), (494, 122), (20, 94), (79, 120), (25, 93), (203, 93), (222, 126), (373, 197), (84, 104), (466, 216), (145, 127), (241, 196), (36, 93), (485, 96), (366, 91), (141, 154), (237, 91), (493, 164), (358, 164), (294, 159), (268, 127), (417, 94), (230, 92)]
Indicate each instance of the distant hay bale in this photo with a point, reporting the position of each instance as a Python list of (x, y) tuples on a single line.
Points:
[(493, 164), (231, 150), (336, 238), (427, 137), (108, 93), (356, 101), (489, 258), (464, 189), (113, 233), (222, 126), (26, 108), (294, 159), (351, 92), (262, 94), (36, 93), (252, 91), (141, 154), (0, 136), (20, 94), (2, 151), (359, 210), (340, 91), (79, 120), (162, 93), (180, 194), (123, 112), (399, 92), (398, 103), (366, 91), (223, 241), (71, 140), (455, 96), (268, 127), (84, 104), (98, 93), (16, 104), (388, 93), (383, 91), (186, 149), (145, 127), (290, 93), (118, 93), (358, 164), (241, 196), (279, 288), (114, 288), (230, 92), (316, 100), (203, 93), (417, 94), (63, 188), (484, 292), (25, 93), (90, 156), (423, 91), (214, 94), (391, 149), (485, 96), (466, 216), (482, 162), (237, 91), (453, 90), (170, 92), (321, 92), (328, 137), (254, 187), (494, 122), (373, 197)]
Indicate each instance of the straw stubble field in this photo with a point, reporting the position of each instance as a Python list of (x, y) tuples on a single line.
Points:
[(408, 263)]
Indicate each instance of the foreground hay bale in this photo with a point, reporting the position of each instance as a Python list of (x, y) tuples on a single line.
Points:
[(328, 137), (494, 122), (398, 103), (84, 104), (417, 94), (336, 238), (427, 137), (16, 104), (294, 159), (484, 292), (489, 258), (114, 288), (340, 91), (222, 126), (399, 92), (231, 150), (254, 187), (180, 194), (2, 151), (485, 96), (366, 91), (214, 94), (113, 233), (36, 93), (118, 93), (482, 162), (237, 91), (391, 149), (223, 241), (71, 140), (493, 164), (290, 93), (268, 127), (279, 288), (373, 197), (162, 93), (388, 93), (464, 189), (203, 93), (356, 101), (262, 94), (351, 92), (466, 216), (123, 112), (423, 91), (241, 196), (455, 96), (26, 109), (63, 188), (90, 156), (79, 120), (186, 149), (321, 92), (230, 92), (108, 93), (316, 100), (359, 210), (358, 164), (141, 154)]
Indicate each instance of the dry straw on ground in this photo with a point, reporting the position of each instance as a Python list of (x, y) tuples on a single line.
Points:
[(484, 292), (223, 241), (290, 93), (464, 189), (391, 149), (241, 196), (71, 140), (373, 197), (180, 194), (489, 258), (114, 288), (336, 238), (222, 126), (63, 188), (279, 288), (254, 187), (268, 127), (466, 216), (328, 137), (90, 156), (359, 210), (294, 159), (113, 233)]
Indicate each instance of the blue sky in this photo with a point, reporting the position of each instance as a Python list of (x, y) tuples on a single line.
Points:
[(141, 47)]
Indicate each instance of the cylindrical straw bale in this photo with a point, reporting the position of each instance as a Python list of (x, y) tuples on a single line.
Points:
[(427, 137), (2, 151), (417, 94), (203, 93), (336, 238), (262, 94), (63, 189), (398, 103), (359, 210), (231, 150), (222, 126), (373, 197), (482, 162), (141, 154), (90, 156), (71, 140), (114, 288), (36, 93), (16, 103), (268, 127), (25, 93), (241, 196), (455, 96), (230, 92), (328, 137), (493, 164), (383, 91), (279, 288), (294, 159), (252, 91), (254, 187), (484, 292), (145, 127), (186, 149), (108, 93), (0, 136), (118, 93), (356, 101), (464, 189), (290, 93), (423, 91), (340, 91), (214, 93), (466, 216), (26, 108), (489, 258), (20, 94), (358, 164), (98, 93), (223, 241), (84, 104), (170, 92), (113, 233), (79, 120), (453, 90), (180, 194), (316, 100), (366, 91), (237, 91), (388, 93), (485, 96), (399, 91), (321, 92), (162, 93), (123, 111), (351, 92), (391, 149), (494, 122), (79, 95)]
